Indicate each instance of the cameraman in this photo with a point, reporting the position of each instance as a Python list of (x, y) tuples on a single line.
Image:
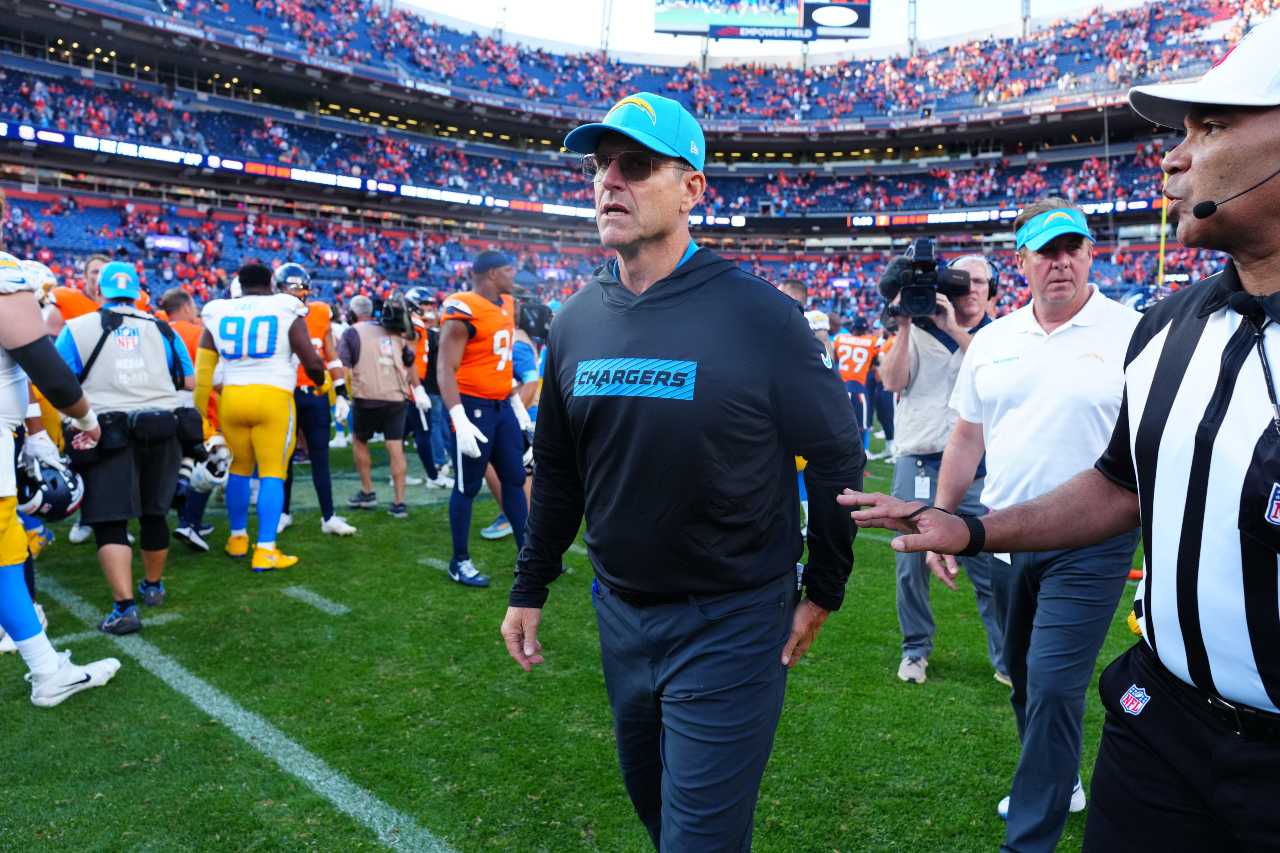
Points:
[(132, 367), (922, 367)]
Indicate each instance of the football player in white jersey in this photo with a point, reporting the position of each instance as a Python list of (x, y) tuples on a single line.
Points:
[(256, 338), (26, 349)]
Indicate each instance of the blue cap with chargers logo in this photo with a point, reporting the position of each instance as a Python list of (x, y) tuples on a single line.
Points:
[(119, 280), (1043, 227), (660, 124)]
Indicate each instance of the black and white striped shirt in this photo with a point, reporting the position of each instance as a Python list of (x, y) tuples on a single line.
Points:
[(1197, 442)]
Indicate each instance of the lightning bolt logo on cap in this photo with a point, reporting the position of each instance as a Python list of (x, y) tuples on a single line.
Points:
[(635, 102)]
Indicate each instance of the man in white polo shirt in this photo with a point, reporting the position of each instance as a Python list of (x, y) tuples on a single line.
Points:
[(1039, 392)]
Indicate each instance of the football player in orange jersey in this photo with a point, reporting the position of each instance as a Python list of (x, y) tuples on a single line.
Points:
[(854, 353), (72, 303), (475, 375), (313, 402)]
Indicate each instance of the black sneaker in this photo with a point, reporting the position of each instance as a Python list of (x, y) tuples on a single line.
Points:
[(363, 500), (398, 511), (152, 593), (120, 622)]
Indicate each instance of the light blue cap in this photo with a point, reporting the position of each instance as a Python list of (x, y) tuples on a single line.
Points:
[(660, 124), (119, 280), (1043, 227)]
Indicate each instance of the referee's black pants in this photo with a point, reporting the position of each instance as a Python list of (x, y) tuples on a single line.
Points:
[(1172, 777), (696, 686)]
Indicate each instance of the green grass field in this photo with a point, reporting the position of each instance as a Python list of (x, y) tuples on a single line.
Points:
[(410, 701)]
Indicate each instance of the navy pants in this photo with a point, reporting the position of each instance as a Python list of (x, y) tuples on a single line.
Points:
[(443, 446), (505, 449), (313, 425), (881, 405), (696, 688), (413, 425), (192, 513), (1059, 607)]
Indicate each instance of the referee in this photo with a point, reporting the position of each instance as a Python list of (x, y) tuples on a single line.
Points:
[(1190, 753), (678, 391)]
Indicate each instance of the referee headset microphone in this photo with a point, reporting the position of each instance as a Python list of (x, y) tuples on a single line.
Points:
[(1205, 209)]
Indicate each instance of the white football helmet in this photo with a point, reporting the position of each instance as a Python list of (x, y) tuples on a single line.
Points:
[(212, 472)]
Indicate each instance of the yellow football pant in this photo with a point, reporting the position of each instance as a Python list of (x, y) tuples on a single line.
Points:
[(259, 424), (13, 539)]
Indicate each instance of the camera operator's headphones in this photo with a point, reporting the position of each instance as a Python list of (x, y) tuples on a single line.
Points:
[(993, 288)]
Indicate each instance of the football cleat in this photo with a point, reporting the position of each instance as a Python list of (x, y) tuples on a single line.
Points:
[(152, 594), (79, 533), (499, 529), (336, 525), (286, 521), (270, 560), (38, 539), (205, 531), (192, 539), (121, 622), (466, 573), (440, 482), (69, 679), (339, 441), (363, 500), (238, 545)]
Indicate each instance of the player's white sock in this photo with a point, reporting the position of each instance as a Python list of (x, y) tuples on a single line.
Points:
[(243, 531), (39, 654)]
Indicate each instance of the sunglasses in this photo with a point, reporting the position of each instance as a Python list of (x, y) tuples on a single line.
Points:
[(636, 166)]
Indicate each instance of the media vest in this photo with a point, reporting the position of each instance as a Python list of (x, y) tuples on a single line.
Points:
[(131, 372), (379, 373)]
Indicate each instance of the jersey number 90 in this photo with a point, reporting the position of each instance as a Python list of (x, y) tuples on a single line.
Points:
[(254, 338)]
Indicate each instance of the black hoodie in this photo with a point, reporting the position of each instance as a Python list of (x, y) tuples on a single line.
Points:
[(672, 420)]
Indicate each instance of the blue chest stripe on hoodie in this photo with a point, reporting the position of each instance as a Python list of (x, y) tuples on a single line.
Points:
[(659, 378)]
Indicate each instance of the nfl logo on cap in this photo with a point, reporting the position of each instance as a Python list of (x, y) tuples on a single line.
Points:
[(1134, 700), (1273, 506)]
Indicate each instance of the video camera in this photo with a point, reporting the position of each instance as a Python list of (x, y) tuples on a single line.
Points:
[(916, 280)]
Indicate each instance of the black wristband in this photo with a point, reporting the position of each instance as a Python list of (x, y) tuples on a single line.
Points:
[(977, 536)]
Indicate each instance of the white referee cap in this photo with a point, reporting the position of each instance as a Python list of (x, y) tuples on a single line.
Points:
[(1248, 76)]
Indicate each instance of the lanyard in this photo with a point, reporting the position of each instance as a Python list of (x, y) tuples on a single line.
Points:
[(1258, 331)]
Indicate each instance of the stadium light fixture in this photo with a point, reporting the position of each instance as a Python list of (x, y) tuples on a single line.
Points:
[(335, 107), (59, 41), (52, 49), (372, 114), (504, 137), (412, 120), (146, 68), (75, 45), (257, 91), (820, 154)]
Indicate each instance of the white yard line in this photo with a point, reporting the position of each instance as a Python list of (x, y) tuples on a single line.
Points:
[(393, 828), (149, 622), (319, 602), (433, 562)]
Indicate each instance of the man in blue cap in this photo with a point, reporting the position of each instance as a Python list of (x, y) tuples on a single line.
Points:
[(677, 393), (132, 367), (1039, 393)]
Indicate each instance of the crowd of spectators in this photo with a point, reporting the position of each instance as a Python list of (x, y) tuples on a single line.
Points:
[(347, 259), (122, 110), (1104, 49)]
